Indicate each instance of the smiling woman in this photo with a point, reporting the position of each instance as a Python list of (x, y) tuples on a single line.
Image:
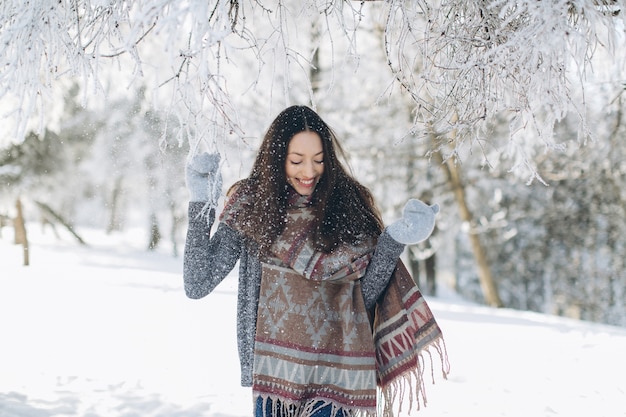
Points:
[(327, 313), (305, 162), (299, 147)]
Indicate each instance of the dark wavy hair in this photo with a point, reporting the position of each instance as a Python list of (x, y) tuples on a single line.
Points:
[(345, 210)]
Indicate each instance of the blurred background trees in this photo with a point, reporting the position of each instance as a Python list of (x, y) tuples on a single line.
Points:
[(508, 114)]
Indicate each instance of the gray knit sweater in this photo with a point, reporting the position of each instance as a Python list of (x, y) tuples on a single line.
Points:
[(208, 259)]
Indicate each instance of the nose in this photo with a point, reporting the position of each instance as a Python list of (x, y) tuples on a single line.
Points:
[(308, 169)]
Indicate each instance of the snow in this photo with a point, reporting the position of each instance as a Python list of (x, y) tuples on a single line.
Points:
[(106, 330)]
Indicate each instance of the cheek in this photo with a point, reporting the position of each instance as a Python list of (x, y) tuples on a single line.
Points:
[(288, 171)]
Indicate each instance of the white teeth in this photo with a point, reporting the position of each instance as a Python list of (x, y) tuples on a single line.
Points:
[(307, 182)]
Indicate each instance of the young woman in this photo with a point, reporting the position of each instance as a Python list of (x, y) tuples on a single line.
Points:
[(326, 311)]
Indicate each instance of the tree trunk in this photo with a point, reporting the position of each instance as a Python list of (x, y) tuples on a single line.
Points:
[(487, 284), (114, 220), (176, 220), (155, 234), (315, 72), (2, 223), (21, 237), (430, 265), (414, 266), (56, 216)]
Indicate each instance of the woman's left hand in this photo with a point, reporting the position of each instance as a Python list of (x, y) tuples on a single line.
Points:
[(417, 223)]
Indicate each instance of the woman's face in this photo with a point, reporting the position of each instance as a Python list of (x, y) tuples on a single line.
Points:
[(304, 165)]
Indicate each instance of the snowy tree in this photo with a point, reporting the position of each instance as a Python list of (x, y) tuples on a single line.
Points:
[(163, 165), (46, 164), (469, 62), (474, 59), (411, 87), (134, 169), (557, 248), (37, 173)]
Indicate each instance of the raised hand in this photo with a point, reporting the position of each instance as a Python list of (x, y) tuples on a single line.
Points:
[(417, 223), (204, 180)]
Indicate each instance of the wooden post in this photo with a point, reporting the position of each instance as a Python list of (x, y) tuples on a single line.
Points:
[(20, 231)]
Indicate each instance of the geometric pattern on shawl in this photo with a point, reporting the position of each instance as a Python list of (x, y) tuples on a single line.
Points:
[(314, 346), (405, 334)]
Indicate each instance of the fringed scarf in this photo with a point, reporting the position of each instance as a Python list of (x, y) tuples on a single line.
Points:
[(316, 345), (405, 336)]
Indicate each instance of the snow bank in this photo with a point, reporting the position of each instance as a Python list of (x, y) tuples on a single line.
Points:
[(106, 330)]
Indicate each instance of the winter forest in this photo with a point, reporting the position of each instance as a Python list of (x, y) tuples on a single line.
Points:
[(507, 113)]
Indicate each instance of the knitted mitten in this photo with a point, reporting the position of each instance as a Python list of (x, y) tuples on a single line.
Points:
[(416, 224), (204, 180)]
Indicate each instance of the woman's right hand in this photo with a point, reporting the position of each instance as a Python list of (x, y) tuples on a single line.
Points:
[(204, 181)]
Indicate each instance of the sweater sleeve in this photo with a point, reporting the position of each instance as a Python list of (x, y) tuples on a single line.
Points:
[(380, 268), (207, 259)]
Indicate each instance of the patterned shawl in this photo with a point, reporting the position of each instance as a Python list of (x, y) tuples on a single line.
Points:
[(316, 344)]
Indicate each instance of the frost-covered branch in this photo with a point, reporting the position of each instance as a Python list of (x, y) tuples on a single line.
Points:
[(461, 62), (185, 53), (42, 42), (465, 62)]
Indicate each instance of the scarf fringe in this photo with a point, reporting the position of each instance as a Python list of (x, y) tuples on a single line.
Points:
[(273, 407), (393, 397), (409, 386)]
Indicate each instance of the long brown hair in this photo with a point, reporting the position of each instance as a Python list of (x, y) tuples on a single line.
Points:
[(345, 209)]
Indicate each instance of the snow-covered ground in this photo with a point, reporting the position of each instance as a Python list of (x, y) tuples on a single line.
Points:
[(106, 331)]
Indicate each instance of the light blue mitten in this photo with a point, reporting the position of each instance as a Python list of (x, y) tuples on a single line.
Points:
[(416, 224), (204, 180)]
